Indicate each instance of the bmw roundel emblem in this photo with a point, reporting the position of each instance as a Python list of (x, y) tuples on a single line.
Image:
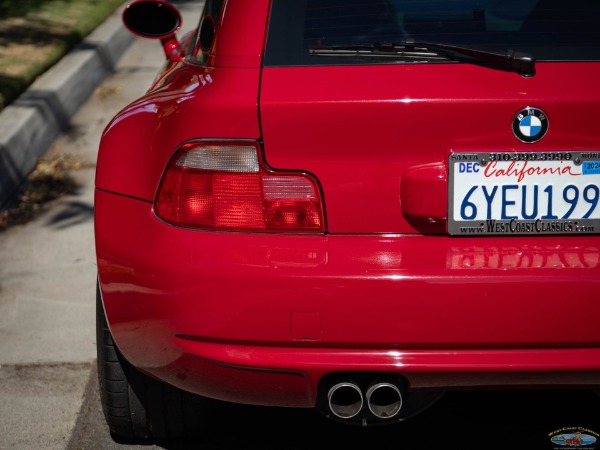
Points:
[(530, 125)]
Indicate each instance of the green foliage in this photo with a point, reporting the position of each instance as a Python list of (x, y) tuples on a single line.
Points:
[(34, 34)]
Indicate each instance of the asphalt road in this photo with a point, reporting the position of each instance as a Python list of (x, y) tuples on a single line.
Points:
[(48, 381)]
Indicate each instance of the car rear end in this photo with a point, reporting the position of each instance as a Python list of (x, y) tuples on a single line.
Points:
[(342, 216)]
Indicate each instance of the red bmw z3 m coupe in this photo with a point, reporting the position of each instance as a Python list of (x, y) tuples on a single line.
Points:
[(351, 206)]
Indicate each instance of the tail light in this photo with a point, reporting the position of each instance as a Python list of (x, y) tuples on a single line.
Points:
[(224, 186)]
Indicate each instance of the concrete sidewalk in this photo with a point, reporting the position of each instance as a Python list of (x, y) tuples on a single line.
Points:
[(32, 122)]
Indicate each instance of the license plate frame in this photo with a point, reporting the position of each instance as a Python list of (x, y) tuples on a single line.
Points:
[(563, 170)]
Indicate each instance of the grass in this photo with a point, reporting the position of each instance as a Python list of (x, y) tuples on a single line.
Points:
[(35, 34)]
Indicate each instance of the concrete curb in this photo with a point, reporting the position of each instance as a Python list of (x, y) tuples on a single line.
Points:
[(29, 126)]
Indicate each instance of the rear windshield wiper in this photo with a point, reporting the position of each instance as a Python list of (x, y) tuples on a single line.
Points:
[(510, 60)]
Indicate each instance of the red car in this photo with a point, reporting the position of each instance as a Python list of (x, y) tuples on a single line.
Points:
[(352, 206)]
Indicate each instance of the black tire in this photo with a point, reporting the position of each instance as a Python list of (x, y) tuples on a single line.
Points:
[(137, 406)]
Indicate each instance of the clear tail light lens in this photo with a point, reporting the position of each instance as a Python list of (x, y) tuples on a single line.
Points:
[(223, 186)]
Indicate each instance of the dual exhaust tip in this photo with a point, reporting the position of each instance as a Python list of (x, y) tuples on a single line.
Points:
[(383, 399)]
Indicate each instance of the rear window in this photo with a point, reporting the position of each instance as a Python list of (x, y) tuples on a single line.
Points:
[(549, 30)]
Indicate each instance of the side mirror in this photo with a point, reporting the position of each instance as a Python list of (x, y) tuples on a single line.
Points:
[(154, 19)]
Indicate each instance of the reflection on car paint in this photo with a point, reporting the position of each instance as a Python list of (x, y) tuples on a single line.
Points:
[(525, 257)]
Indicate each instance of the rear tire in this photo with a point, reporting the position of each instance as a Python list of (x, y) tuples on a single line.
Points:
[(138, 406)]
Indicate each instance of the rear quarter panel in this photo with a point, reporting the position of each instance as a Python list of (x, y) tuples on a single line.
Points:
[(189, 102)]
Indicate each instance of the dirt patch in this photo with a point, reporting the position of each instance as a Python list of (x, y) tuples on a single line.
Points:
[(51, 179)]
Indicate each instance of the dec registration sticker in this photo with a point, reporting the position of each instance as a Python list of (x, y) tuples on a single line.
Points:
[(509, 193)]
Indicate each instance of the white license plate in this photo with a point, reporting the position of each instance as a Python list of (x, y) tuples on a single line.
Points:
[(508, 193)]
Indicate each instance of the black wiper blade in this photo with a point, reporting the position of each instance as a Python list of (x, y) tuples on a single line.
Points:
[(390, 51), (510, 60), (519, 62)]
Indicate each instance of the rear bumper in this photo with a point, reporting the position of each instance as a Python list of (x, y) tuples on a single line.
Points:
[(289, 376), (262, 318)]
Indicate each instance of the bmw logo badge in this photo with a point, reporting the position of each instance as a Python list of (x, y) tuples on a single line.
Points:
[(530, 125)]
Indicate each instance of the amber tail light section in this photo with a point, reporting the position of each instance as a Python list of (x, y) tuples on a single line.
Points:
[(223, 186)]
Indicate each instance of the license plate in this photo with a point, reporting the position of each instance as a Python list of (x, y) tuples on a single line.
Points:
[(509, 193)]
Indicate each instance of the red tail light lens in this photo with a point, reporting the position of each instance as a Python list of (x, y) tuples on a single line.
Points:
[(223, 186)]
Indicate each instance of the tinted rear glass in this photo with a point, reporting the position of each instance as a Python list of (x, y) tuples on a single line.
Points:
[(550, 30)]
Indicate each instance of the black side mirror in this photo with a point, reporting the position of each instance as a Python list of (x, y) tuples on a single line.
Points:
[(154, 19)]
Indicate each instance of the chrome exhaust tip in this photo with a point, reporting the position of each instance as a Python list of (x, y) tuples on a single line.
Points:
[(345, 400), (384, 400)]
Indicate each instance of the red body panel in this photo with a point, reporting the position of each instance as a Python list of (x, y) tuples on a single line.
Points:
[(241, 34), (358, 129), (262, 318), (192, 102), (457, 305)]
